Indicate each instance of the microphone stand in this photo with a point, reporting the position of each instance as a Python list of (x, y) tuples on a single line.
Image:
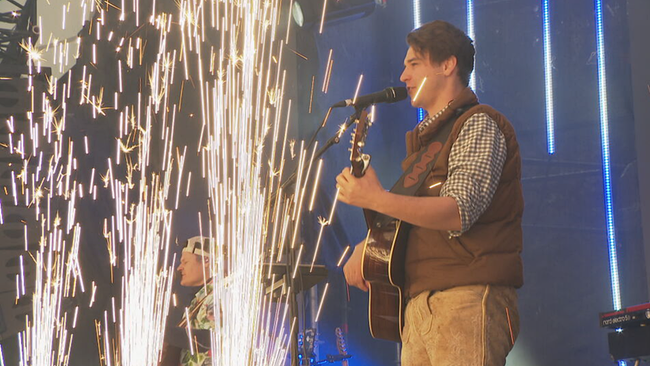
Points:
[(322, 125), (291, 255)]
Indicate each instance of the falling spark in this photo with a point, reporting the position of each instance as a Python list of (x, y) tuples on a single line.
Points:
[(419, 88), (311, 93), (298, 53), (345, 253), (356, 91), (328, 73), (297, 265), (33, 53), (74, 321), (92, 295), (322, 300), (315, 189), (322, 18)]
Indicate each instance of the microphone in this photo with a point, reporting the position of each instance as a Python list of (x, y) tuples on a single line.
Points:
[(388, 95)]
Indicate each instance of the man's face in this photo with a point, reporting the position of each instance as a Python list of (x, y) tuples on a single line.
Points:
[(423, 75), (191, 269)]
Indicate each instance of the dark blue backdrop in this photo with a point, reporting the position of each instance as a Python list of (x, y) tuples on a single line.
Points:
[(565, 246)]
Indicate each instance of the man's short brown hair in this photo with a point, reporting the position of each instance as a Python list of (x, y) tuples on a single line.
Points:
[(440, 40)]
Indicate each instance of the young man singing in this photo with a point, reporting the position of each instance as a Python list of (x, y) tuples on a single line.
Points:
[(463, 260)]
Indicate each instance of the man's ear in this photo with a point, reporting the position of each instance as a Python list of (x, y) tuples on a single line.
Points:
[(449, 65)]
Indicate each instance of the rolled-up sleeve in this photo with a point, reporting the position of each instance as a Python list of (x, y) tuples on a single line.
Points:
[(475, 163)]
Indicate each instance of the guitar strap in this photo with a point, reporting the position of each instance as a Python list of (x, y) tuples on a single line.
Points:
[(415, 175)]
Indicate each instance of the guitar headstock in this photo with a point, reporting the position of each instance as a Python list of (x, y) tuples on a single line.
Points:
[(358, 159)]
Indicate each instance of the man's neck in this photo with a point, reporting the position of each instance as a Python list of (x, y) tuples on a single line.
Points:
[(443, 99)]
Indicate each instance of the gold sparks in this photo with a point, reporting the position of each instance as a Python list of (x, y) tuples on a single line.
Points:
[(244, 118), (33, 53), (323, 221), (125, 148), (292, 148)]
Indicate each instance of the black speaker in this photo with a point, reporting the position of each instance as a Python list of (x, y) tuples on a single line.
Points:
[(630, 343)]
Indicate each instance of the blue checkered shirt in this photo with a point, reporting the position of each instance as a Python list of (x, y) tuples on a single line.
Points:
[(475, 163)]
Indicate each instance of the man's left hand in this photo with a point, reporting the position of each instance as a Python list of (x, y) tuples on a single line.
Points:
[(364, 192)]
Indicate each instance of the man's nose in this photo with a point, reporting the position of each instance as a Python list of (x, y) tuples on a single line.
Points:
[(404, 77)]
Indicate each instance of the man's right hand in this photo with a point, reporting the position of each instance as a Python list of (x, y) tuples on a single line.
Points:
[(352, 269)]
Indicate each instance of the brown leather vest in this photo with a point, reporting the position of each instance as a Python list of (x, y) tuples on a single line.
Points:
[(489, 252)]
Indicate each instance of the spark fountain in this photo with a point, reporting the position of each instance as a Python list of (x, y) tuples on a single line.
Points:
[(231, 52)]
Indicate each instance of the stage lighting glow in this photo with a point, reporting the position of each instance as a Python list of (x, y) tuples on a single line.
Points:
[(417, 22), (307, 13), (607, 175), (421, 114), (548, 75), (472, 35), (298, 15)]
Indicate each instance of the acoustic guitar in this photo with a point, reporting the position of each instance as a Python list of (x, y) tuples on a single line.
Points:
[(384, 253)]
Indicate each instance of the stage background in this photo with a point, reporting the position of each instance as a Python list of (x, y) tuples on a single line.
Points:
[(567, 278)]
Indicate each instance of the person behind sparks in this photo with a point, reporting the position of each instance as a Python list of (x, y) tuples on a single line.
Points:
[(194, 269), (463, 260)]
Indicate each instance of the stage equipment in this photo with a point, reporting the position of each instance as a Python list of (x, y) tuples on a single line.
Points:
[(309, 275), (305, 278), (306, 13), (388, 95), (630, 341), (286, 280), (18, 26), (637, 315)]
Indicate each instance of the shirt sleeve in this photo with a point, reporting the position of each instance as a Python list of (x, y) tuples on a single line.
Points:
[(475, 163)]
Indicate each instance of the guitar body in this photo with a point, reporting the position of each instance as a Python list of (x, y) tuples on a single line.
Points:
[(384, 254), (382, 264), (383, 268)]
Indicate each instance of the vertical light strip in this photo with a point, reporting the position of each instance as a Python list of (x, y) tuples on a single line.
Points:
[(607, 175), (548, 75), (417, 22), (472, 35)]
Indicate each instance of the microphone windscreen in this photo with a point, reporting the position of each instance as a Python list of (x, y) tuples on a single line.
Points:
[(400, 94)]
